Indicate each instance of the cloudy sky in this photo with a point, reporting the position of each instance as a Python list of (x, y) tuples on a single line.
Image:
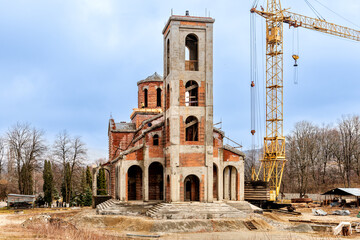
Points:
[(69, 64)]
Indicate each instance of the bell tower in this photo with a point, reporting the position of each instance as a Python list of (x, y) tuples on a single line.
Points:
[(188, 88)]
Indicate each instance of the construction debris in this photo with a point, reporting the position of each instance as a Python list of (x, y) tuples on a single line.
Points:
[(319, 212), (303, 228), (250, 225), (341, 212), (344, 228)]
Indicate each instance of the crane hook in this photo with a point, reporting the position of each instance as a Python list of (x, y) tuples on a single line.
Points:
[(295, 57)]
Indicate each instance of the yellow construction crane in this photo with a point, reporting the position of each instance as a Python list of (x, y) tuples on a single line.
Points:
[(273, 162)]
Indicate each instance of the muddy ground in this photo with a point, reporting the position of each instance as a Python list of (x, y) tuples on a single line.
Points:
[(84, 223)]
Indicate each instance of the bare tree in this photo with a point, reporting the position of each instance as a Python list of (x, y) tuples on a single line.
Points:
[(252, 161), (328, 144), (2, 155), (69, 152), (348, 148), (28, 146), (302, 154)]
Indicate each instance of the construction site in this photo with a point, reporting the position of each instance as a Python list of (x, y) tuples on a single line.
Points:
[(173, 173)]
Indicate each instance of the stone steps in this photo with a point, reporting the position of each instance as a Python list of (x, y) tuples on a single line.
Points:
[(116, 207), (105, 205), (194, 211), (245, 206)]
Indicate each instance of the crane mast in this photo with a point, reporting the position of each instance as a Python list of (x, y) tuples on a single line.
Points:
[(273, 161)]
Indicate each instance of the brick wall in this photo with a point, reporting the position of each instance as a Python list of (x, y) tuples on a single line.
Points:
[(230, 157), (201, 132), (137, 155), (192, 159), (152, 96), (217, 143), (155, 151), (201, 94), (138, 119), (116, 140)]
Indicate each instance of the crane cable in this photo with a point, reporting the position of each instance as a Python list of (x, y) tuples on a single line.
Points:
[(295, 50), (314, 10), (253, 83), (255, 3), (337, 14)]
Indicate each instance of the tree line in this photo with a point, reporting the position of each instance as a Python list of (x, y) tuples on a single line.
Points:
[(29, 165), (318, 157)]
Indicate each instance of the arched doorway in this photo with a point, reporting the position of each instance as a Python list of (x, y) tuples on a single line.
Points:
[(215, 182), (156, 181), (135, 183), (230, 183), (192, 188)]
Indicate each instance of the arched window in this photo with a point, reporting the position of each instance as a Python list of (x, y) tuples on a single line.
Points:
[(191, 53), (167, 96), (156, 140), (167, 130), (158, 97), (145, 98), (168, 57), (191, 93), (191, 128)]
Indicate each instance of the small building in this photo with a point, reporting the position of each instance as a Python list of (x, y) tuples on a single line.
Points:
[(343, 193), (20, 201), (171, 151)]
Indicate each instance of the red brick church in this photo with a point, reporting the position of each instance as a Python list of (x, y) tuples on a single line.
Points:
[(170, 150)]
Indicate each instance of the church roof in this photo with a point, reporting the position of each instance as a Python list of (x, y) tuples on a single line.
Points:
[(122, 126), (125, 126), (153, 78)]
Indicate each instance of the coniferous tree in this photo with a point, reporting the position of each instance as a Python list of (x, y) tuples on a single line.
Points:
[(83, 182), (66, 185), (101, 182), (88, 177), (48, 186), (87, 200)]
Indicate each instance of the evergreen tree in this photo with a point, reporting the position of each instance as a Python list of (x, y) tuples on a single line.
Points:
[(66, 185), (101, 182), (83, 181), (48, 186), (88, 177), (87, 197), (26, 180)]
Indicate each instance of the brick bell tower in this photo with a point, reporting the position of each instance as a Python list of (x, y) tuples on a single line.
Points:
[(188, 85)]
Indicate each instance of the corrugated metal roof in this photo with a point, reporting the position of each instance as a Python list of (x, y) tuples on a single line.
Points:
[(344, 191), (352, 191)]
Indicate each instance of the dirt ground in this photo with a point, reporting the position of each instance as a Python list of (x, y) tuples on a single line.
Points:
[(86, 224)]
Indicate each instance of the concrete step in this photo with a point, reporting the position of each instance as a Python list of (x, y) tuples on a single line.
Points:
[(194, 211)]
